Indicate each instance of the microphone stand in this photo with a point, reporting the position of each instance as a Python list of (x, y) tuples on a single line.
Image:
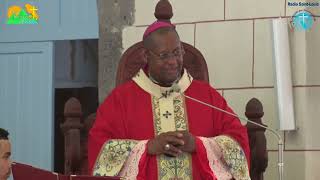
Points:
[(280, 142)]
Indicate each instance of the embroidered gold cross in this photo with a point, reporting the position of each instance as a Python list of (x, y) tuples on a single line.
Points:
[(167, 114)]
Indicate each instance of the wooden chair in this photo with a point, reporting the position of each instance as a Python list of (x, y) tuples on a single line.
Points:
[(76, 131)]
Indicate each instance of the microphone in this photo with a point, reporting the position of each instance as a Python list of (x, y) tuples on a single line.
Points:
[(176, 88)]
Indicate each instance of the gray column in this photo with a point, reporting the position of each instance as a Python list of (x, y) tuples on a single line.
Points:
[(114, 15)]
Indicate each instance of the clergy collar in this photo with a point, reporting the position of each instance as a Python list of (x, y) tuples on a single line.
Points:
[(143, 81)]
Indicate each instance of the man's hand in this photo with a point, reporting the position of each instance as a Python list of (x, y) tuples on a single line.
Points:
[(189, 145), (166, 143)]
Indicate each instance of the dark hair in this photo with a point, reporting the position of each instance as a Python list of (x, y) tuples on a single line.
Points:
[(148, 41), (3, 134)]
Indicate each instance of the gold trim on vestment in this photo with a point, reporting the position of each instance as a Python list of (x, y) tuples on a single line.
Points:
[(234, 157), (112, 157)]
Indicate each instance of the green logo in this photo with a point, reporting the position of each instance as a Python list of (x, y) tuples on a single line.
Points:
[(18, 15)]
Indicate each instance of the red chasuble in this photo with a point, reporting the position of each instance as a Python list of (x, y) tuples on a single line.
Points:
[(139, 110)]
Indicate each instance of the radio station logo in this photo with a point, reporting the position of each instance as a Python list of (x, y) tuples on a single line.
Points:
[(22, 15), (302, 20)]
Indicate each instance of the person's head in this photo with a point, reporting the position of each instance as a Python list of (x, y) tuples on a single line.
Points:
[(5, 152), (164, 53)]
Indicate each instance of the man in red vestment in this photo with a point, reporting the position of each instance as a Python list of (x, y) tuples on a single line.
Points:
[(145, 129), (5, 152)]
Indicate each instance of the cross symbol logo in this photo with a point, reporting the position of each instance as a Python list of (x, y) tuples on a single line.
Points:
[(167, 114), (303, 17), (34, 9), (303, 20)]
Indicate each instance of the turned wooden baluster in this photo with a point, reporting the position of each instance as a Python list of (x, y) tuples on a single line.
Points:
[(257, 140), (71, 129), (88, 122), (163, 11)]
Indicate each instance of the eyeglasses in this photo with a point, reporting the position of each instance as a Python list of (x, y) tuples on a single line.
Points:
[(167, 55)]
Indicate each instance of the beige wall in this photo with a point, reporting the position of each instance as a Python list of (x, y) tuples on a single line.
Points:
[(235, 38)]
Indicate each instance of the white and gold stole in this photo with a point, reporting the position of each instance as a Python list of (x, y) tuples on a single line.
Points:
[(169, 114)]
